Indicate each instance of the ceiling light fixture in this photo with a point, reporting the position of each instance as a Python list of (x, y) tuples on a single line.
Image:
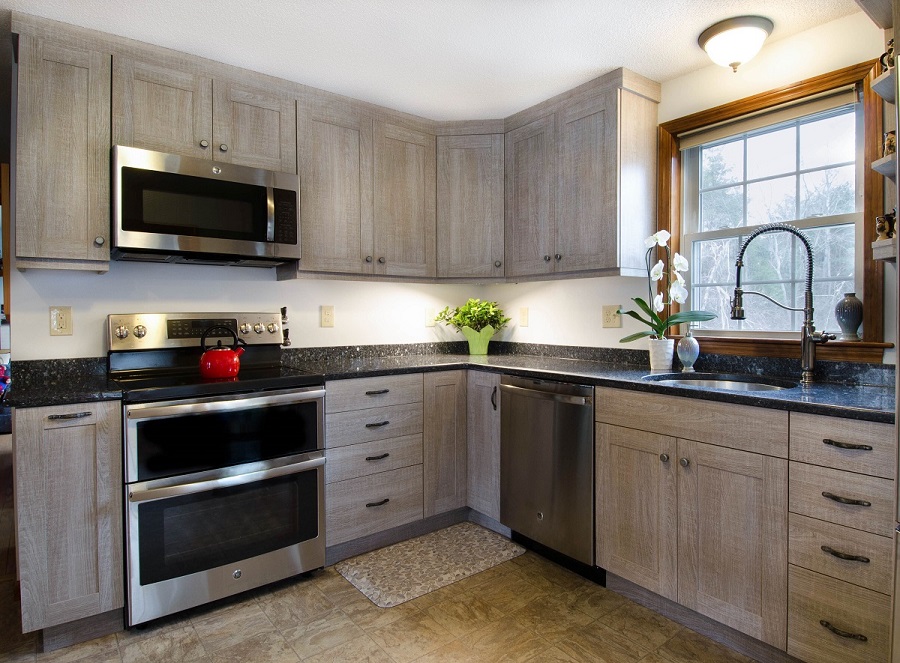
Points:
[(734, 41)]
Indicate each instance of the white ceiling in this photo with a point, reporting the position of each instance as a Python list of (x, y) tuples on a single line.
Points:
[(442, 59)]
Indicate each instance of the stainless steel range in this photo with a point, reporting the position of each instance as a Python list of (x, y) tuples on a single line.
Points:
[(224, 479)]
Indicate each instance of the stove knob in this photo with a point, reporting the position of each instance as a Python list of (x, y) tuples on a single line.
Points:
[(272, 327), (258, 328), (140, 331), (245, 328), (121, 331)]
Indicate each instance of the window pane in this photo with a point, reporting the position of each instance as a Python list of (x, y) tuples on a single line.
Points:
[(722, 208), (827, 192), (833, 251), (828, 141), (768, 258), (771, 200), (722, 164), (772, 153), (715, 299), (713, 260)]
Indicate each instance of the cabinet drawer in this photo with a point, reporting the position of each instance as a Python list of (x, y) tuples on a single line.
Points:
[(809, 482), (819, 440), (808, 537), (362, 393), (362, 506), (358, 460), (377, 423), (814, 598)]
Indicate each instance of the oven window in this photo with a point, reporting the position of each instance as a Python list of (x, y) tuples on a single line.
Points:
[(192, 443), (171, 204), (192, 533)]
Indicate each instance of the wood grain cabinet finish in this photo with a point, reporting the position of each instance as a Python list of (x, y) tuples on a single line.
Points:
[(445, 458), (483, 443), (470, 206), (701, 523), (178, 108), (62, 156), (863, 447), (364, 393), (68, 483)]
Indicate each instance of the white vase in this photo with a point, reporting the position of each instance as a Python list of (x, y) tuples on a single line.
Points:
[(661, 353)]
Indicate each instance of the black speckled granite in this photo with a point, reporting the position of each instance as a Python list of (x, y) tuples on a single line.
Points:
[(38, 383)]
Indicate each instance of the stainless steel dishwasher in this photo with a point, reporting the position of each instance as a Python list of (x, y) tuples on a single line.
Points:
[(547, 464)]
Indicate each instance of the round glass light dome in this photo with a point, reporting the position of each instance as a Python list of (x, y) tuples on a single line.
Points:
[(734, 41)]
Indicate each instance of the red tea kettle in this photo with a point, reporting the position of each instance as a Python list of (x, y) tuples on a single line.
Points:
[(220, 361)]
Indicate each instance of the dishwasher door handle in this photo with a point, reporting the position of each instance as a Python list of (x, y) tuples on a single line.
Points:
[(546, 395)]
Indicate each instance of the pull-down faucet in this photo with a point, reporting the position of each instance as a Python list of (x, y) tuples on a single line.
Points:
[(809, 337)]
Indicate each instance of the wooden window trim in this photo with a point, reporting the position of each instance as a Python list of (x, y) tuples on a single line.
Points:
[(872, 347)]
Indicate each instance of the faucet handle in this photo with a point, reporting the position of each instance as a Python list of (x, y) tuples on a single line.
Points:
[(823, 337)]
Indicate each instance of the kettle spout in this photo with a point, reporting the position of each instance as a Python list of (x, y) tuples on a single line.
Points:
[(239, 350)]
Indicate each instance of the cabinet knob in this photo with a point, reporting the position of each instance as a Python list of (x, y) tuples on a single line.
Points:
[(204, 144), (223, 147), (99, 241), (368, 258), (381, 260), (684, 462), (664, 458), (546, 258), (558, 257), (497, 263)]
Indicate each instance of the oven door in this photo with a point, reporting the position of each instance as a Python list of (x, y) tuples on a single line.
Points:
[(197, 538)]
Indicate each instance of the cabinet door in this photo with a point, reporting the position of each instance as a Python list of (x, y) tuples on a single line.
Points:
[(531, 162), (254, 127), (444, 445), (62, 156), (157, 107), (636, 507), (732, 540), (404, 201), (68, 483), (483, 443), (335, 155), (586, 218), (470, 206)]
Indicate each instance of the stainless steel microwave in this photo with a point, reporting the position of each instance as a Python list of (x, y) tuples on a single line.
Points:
[(171, 208)]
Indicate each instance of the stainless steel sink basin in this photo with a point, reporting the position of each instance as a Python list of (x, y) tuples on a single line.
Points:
[(721, 381)]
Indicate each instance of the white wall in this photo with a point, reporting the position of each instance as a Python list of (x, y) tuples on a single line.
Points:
[(560, 312)]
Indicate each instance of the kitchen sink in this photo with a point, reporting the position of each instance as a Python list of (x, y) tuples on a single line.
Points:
[(721, 381)]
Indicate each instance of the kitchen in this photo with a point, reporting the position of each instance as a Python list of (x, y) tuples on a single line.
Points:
[(556, 311)]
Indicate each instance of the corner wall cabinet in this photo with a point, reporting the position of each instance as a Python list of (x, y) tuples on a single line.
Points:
[(68, 494)]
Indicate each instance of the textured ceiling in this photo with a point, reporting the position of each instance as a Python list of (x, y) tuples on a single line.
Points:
[(442, 59)]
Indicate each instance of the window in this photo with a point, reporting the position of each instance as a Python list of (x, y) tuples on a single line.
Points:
[(802, 171)]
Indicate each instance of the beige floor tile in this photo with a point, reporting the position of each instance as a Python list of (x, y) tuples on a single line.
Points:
[(552, 654), (437, 596), (410, 637), (688, 646), (648, 630), (457, 651), (335, 586), (359, 650), (596, 601), (297, 604), (551, 616), (596, 644), (369, 616), (332, 629), (506, 640), (100, 650), (175, 644), (508, 593), (228, 627), (463, 613), (263, 648)]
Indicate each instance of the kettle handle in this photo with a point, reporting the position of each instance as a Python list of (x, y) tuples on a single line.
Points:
[(231, 332)]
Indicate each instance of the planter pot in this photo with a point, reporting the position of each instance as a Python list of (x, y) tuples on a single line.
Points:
[(478, 341), (661, 352)]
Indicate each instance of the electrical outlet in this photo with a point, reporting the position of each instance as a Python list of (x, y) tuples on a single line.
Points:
[(523, 316), (611, 316), (60, 321), (429, 317), (327, 316)]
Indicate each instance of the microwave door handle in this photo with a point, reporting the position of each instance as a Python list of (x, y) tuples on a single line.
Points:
[(223, 482)]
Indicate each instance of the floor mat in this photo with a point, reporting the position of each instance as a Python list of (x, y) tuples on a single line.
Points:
[(404, 571)]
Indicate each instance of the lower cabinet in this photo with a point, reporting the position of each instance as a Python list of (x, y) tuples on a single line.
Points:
[(68, 496), (483, 443), (444, 463), (700, 523)]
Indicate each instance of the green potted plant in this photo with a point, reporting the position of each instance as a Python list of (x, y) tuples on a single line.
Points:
[(477, 320)]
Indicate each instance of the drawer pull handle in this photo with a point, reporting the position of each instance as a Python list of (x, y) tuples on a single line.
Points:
[(847, 445), (378, 425), (846, 556), (381, 503), (377, 392), (845, 500), (73, 415), (385, 455), (843, 634)]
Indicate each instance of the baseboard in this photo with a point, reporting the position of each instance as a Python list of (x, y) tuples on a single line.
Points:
[(489, 523), (81, 630)]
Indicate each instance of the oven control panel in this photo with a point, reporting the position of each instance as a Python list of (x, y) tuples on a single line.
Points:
[(155, 331)]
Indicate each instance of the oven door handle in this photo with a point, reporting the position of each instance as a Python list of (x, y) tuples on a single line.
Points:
[(151, 494), (176, 409)]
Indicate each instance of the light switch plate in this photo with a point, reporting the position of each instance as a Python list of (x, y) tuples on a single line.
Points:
[(60, 321), (523, 316), (430, 315), (611, 317), (327, 316)]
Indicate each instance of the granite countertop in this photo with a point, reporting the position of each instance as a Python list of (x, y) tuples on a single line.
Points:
[(71, 381)]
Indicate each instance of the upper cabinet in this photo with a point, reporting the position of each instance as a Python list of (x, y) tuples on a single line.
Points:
[(581, 180), (62, 156), (185, 111)]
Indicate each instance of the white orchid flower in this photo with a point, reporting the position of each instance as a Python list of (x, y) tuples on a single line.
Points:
[(657, 272), (678, 292), (680, 263), (659, 238), (679, 278), (658, 303)]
